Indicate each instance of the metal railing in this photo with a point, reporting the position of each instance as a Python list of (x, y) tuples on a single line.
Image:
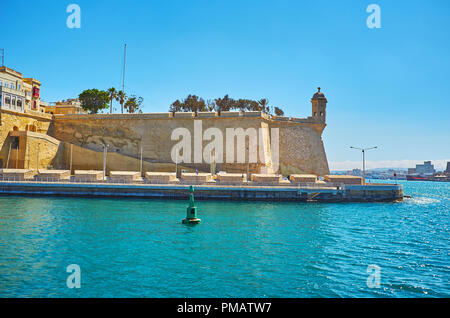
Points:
[(145, 181)]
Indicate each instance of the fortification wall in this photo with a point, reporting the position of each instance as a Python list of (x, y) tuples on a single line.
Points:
[(36, 125), (301, 148)]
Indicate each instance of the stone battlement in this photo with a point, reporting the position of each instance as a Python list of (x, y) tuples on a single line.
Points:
[(187, 115)]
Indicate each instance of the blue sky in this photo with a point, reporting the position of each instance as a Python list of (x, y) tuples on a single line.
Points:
[(387, 87)]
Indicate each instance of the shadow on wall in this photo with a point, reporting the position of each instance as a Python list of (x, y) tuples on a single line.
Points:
[(86, 159), (58, 161), (17, 153), (9, 143)]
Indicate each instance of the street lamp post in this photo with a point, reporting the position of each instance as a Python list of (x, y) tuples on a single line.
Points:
[(141, 159), (105, 151), (176, 166), (37, 159), (71, 157), (248, 162), (363, 150)]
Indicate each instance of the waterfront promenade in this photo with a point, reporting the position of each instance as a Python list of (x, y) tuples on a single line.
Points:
[(246, 192)]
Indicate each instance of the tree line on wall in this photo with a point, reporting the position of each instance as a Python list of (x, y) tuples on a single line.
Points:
[(95, 100), (193, 103)]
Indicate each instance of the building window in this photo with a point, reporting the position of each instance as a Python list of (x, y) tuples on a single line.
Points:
[(321, 113), (13, 101), (7, 100), (19, 103), (12, 86), (1, 83), (315, 113)]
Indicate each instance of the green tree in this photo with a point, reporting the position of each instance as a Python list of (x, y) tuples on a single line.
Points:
[(225, 104), (133, 104), (264, 105), (210, 105), (93, 100), (192, 103), (175, 106), (279, 111), (112, 96), (121, 98)]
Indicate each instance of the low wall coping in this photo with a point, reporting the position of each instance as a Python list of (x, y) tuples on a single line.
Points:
[(123, 173), (57, 172), (87, 172)]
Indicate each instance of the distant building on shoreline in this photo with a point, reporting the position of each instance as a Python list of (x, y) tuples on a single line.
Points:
[(423, 169)]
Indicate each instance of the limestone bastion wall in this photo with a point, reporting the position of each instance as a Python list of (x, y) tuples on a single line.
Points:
[(301, 149), (22, 134)]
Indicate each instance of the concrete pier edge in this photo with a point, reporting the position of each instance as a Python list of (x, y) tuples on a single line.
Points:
[(348, 193)]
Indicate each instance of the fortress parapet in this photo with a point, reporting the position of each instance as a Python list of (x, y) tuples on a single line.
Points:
[(188, 115)]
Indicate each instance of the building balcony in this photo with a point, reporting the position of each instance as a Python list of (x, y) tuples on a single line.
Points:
[(4, 89)]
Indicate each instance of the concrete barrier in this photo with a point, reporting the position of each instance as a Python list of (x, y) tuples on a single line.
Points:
[(88, 175), (271, 179), (196, 178), (17, 174), (161, 177), (54, 175), (125, 176), (231, 178), (343, 179), (303, 178)]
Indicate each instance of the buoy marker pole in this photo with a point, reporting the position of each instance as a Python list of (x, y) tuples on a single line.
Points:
[(191, 211)]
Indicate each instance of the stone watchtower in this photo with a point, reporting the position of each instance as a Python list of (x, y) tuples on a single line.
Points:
[(319, 106)]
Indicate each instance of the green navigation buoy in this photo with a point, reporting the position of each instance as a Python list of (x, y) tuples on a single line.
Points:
[(191, 211)]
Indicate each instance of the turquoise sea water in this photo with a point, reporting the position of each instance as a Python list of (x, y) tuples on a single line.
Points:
[(139, 248)]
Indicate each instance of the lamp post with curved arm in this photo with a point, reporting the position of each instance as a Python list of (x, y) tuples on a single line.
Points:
[(363, 150)]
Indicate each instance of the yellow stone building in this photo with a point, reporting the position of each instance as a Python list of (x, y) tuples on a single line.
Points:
[(18, 93), (68, 106)]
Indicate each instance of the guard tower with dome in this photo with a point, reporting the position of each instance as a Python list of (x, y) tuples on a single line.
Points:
[(319, 106)]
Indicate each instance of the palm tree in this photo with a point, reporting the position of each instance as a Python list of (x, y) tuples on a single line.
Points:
[(121, 98), (264, 105), (112, 95)]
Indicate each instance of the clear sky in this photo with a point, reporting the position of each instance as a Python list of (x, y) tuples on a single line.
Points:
[(387, 87)]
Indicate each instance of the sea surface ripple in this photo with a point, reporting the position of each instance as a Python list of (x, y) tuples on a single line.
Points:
[(139, 248)]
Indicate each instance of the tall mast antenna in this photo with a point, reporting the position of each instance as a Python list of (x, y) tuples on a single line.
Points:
[(3, 56), (123, 79)]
